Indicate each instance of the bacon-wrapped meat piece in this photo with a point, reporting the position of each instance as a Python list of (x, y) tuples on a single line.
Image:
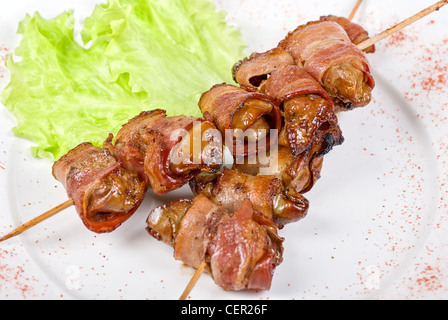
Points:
[(244, 117), (299, 173), (104, 193), (267, 194), (240, 249), (307, 107), (253, 71), (168, 151), (356, 33), (325, 51)]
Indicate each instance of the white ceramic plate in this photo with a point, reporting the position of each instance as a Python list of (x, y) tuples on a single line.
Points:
[(378, 219)]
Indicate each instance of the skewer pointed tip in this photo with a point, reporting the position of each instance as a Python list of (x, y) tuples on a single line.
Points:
[(5, 238), (10, 235), (38, 220), (193, 281)]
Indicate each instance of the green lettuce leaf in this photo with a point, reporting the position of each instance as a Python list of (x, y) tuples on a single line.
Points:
[(136, 55)]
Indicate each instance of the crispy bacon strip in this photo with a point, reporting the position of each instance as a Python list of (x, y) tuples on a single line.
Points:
[(105, 194), (325, 51), (306, 106), (241, 251), (253, 71), (248, 117), (356, 33), (267, 194), (168, 151)]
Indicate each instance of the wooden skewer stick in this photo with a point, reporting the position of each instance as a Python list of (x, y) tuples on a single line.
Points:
[(355, 9), (38, 219), (402, 25), (193, 281)]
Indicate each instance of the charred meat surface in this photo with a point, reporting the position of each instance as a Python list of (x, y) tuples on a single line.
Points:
[(307, 108)]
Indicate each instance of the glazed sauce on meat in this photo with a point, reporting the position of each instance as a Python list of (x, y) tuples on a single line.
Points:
[(345, 80), (195, 148), (250, 116), (300, 121), (118, 193)]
